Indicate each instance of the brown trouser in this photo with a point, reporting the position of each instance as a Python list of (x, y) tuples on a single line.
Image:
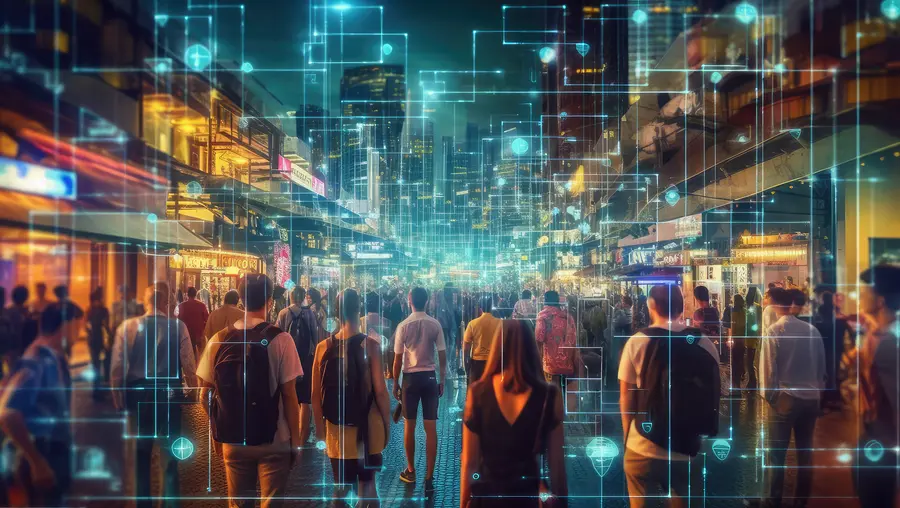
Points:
[(650, 481), (271, 464)]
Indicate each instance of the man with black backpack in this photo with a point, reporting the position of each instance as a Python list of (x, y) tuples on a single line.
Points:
[(249, 373), (301, 323), (669, 381)]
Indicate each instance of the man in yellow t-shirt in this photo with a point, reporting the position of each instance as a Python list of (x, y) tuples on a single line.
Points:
[(478, 338)]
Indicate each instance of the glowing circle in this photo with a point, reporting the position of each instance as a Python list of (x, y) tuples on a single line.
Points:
[(152, 218), (501, 181), (746, 13), (639, 17), (890, 9), (387, 49), (247, 67), (475, 476), (519, 146), (547, 54), (320, 445), (264, 342), (182, 448), (197, 57), (161, 67), (715, 77), (194, 189), (873, 451)]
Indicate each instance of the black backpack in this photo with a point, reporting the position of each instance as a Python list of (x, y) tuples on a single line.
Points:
[(304, 330), (347, 392), (243, 410), (680, 391)]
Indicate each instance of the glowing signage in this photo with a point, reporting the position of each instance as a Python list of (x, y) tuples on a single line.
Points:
[(686, 227), (34, 179)]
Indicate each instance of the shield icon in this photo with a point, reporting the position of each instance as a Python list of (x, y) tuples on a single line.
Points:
[(690, 339), (721, 448), (647, 427)]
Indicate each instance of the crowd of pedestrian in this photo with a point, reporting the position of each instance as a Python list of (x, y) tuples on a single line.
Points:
[(276, 383)]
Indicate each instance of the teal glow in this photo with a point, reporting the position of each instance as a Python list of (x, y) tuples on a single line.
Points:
[(519, 146), (582, 48), (547, 54), (247, 67), (890, 9), (387, 49), (721, 448), (152, 218), (746, 13), (182, 448), (601, 450), (639, 17), (194, 189), (198, 57), (873, 451), (715, 77)]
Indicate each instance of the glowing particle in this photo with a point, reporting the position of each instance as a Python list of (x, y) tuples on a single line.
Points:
[(563, 114), (501, 181), (547, 54), (844, 457), (89, 374), (582, 48), (247, 67), (555, 211), (198, 57), (715, 77), (519, 146), (890, 9), (672, 196), (779, 68), (742, 138), (544, 495), (152, 218), (194, 189), (341, 7), (289, 285), (721, 448), (161, 67), (182, 448), (161, 19), (320, 445), (585, 228), (873, 451), (387, 49), (639, 17), (746, 13), (601, 450)]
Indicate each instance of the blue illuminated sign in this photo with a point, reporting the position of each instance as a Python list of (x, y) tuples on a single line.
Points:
[(35, 179)]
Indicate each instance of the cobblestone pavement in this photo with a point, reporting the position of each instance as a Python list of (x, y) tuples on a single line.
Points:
[(202, 477)]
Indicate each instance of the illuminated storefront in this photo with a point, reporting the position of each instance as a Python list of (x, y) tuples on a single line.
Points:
[(215, 272), (781, 259)]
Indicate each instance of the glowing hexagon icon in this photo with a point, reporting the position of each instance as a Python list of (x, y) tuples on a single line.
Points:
[(721, 448), (182, 448), (519, 146), (602, 451), (198, 57)]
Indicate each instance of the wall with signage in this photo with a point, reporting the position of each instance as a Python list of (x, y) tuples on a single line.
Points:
[(217, 261)]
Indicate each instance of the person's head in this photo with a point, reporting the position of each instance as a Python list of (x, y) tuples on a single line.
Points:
[(701, 294), (192, 292), (156, 298), (19, 295), (486, 304), (798, 301), (298, 294), (666, 303), (826, 308), (514, 354), (347, 306), (752, 296), (96, 296), (232, 297), (257, 292), (880, 296), (315, 296), (418, 298), (51, 321), (40, 289), (373, 302), (279, 293), (781, 300), (526, 295), (392, 293), (738, 302), (789, 279), (61, 292), (551, 298), (772, 285), (627, 301)]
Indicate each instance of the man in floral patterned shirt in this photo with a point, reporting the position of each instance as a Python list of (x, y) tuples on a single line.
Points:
[(555, 334)]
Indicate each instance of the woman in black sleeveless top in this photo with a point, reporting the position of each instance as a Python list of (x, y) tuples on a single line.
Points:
[(500, 460)]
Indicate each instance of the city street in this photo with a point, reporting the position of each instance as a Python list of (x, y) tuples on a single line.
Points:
[(203, 482)]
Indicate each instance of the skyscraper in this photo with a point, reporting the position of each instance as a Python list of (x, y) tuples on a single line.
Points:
[(650, 40)]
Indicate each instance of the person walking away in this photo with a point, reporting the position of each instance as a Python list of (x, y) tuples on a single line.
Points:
[(735, 321), (351, 403), (72, 328), (753, 328), (512, 418), (706, 317), (478, 339), (445, 316), (301, 323), (834, 331), (125, 307), (318, 307), (622, 318), (40, 302), (152, 363), (879, 358), (768, 317), (194, 314), (379, 330), (34, 414), (641, 314), (23, 329), (792, 376), (669, 379), (99, 337), (415, 341), (249, 378), (225, 316), (524, 308), (556, 338)]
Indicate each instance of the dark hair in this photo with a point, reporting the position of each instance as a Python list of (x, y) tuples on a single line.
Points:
[(419, 298), (739, 302), (781, 297), (667, 300), (298, 294), (487, 303), (347, 305), (61, 291), (232, 297), (278, 292), (315, 296), (192, 292), (752, 296), (627, 301), (514, 353), (52, 319), (701, 293), (798, 297), (20, 295), (827, 307), (256, 290), (97, 295), (373, 302), (526, 295), (551, 298)]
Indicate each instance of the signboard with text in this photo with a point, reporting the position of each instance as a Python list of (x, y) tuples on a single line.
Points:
[(686, 227)]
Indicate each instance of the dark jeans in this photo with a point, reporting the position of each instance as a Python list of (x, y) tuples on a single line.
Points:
[(476, 369), (59, 458), (101, 366), (876, 483), (750, 367), (149, 417), (738, 363), (790, 414)]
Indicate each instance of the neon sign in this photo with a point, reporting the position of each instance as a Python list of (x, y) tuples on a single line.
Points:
[(34, 179)]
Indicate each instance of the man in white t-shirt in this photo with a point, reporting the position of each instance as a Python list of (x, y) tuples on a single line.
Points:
[(652, 471), (269, 463)]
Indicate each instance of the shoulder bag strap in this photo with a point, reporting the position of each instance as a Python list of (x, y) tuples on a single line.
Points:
[(537, 438)]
